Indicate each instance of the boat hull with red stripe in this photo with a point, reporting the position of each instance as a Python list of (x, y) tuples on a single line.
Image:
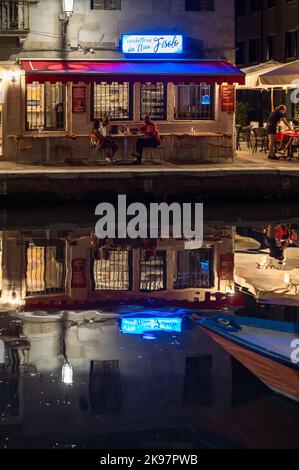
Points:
[(275, 370)]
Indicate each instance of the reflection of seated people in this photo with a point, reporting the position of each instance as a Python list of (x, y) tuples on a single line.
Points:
[(151, 138), (276, 238), (276, 245), (103, 139)]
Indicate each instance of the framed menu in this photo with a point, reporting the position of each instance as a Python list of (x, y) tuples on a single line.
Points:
[(79, 98), (228, 98), (227, 266), (78, 273)]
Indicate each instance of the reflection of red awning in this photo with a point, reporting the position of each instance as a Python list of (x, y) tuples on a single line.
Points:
[(208, 71)]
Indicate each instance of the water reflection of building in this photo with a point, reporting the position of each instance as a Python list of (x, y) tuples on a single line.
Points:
[(122, 383), (269, 279), (61, 267)]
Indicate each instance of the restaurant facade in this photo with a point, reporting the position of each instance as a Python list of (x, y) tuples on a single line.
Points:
[(175, 64), (59, 268)]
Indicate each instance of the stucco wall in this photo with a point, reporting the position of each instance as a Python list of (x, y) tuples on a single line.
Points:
[(208, 34)]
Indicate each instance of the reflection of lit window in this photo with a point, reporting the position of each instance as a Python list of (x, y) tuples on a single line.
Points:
[(194, 268), (105, 387), (153, 271), (106, 4), (45, 106), (112, 99), (45, 270), (198, 385), (113, 271)]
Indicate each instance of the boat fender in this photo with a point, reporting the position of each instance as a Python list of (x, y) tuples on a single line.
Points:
[(228, 322)]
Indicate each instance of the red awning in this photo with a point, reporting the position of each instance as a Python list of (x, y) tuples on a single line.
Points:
[(208, 71)]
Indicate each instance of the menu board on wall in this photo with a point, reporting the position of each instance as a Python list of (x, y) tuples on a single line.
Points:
[(227, 266), (79, 99), (79, 273), (228, 98)]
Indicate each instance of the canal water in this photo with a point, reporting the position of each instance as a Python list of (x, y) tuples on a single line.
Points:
[(102, 345)]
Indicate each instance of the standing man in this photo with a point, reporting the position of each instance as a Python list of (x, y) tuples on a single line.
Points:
[(274, 119), (151, 138)]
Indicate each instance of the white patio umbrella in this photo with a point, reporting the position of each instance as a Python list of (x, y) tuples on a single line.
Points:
[(284, 75), (254, 73)]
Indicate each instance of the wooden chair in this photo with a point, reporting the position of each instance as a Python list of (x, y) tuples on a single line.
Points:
[(154, 154), (183, 148), (243, 135), (67, 149), (260, 140), (97, 153), (220, 151), (20, 147)]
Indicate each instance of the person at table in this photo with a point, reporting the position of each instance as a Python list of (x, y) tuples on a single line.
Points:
[(274, 119), (101, 134), (151, 138)]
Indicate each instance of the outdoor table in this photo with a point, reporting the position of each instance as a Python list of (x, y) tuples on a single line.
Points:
[(126, 138), (47, 136)]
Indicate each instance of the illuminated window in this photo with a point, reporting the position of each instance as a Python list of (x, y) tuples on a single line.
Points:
[(112, 271), (106, 4), (153, 271), (45, 269), (194, 268), (194, 102), (45, 106), (153, 101), (113, 99)]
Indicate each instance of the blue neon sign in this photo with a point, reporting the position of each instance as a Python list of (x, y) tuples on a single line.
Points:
[(152, 44), (138, 326)]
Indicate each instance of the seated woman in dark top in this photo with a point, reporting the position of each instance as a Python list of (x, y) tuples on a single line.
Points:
[(274, 119)]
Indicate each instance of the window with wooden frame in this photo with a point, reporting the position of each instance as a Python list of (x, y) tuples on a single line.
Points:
[(194, 269), (45, 268), (112, 272), (106, 4), (200, 5), (194, 102), (153, 101), (112, 99), (153, 271), (45, 106)]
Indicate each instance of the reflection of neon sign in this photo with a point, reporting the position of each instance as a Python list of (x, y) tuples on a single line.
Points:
[(137, 326), (152, 44)]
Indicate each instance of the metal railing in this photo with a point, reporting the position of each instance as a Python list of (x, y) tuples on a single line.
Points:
[(14, 16)]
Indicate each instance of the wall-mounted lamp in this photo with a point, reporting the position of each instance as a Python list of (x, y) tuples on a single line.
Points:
[(230, 289), (15, 301), (67, 10), (64, 17), (13, 75)]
